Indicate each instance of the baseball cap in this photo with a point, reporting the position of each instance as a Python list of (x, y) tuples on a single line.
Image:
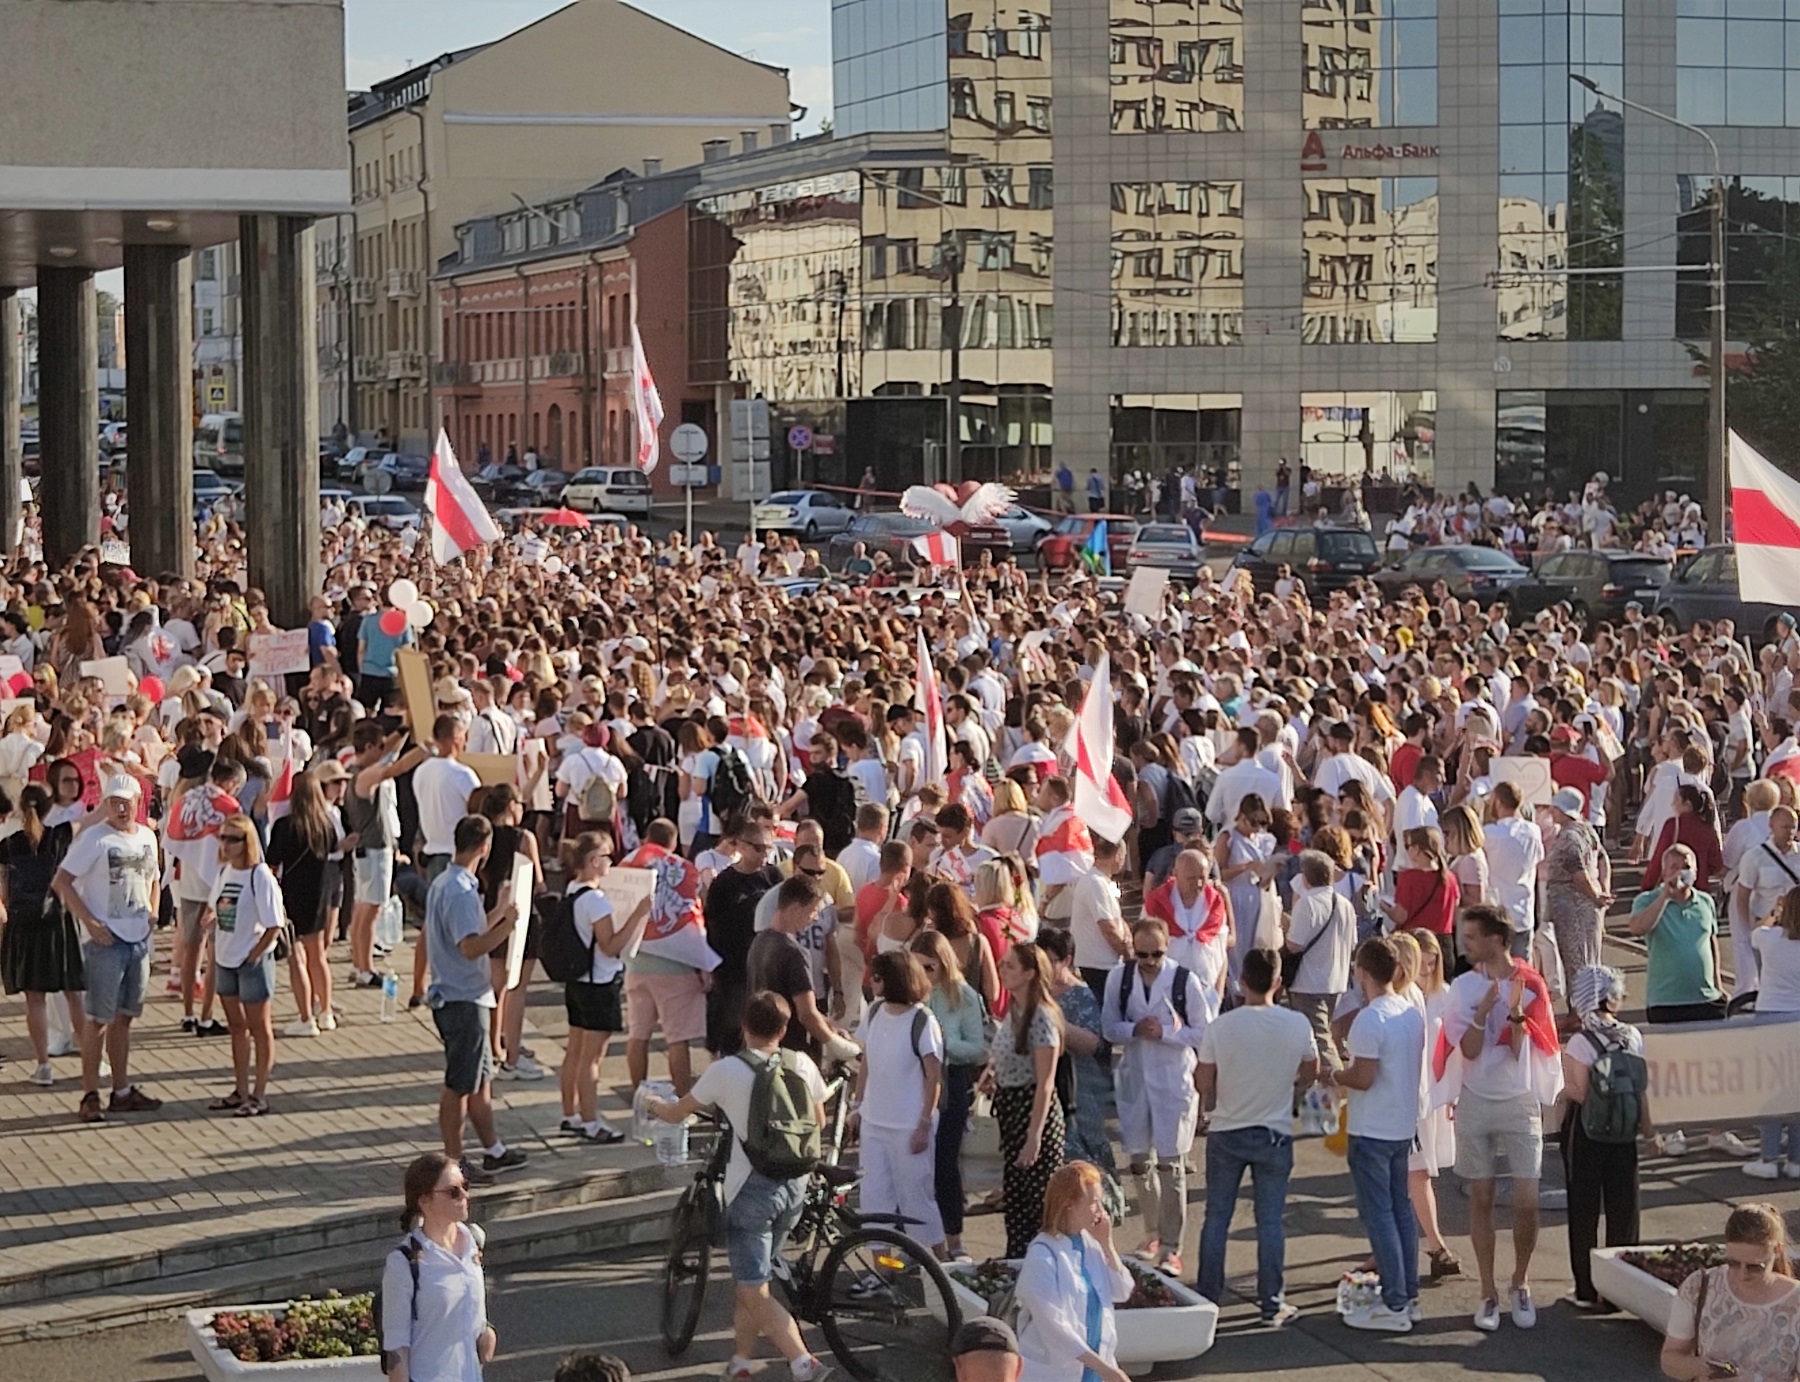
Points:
[(121, 785), (984, 1334), (1187, 820)]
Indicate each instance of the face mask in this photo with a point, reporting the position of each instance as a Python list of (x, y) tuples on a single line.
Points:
[(1685, 879)]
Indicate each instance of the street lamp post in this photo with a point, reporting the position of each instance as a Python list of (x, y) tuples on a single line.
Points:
[(1718, 443)]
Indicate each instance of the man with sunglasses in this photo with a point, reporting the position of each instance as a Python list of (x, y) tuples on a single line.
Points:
[(730, 912)]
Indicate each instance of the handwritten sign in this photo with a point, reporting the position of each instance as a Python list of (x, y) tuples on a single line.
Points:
[(1530, 775), (1741, 1070), (627, 890), (1145, 593), (10, 667), (279, 654), (519, 891), (113, 672)]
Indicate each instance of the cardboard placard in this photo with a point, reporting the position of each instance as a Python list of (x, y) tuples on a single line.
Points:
[(627, 890), (279, 654), (1530, 775), (114, 674), (1145, 593), (415, 688), (519, 891), (494, 769), (533, 755), (10, 667)]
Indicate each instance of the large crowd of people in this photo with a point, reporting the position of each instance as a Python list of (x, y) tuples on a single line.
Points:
[(1365, 876)]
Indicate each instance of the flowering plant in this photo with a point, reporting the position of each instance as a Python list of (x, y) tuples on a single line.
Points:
[(336, 1327)]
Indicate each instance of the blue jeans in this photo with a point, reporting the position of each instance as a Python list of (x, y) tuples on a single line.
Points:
[(953, 1122), (1770, 1133), (1269, 1156), (1378, 1170)]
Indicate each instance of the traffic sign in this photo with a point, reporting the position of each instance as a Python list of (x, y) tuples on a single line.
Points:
[(800, 438), (689, 443)]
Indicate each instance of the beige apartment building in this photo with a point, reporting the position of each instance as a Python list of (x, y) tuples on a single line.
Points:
[(594, 87)]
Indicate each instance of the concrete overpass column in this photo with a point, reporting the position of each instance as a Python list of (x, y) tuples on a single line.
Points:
[(159, 346), (12, 377), (68, 411), (281, 413)]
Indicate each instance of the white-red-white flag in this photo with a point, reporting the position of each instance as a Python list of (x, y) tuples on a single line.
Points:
[(646, 402), (939, 548), (928, 700), (1765, 527), (1065, 850), (460, 522), (1099, 800)]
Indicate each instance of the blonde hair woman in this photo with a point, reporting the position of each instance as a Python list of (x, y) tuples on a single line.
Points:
[(1012, 829), (245, 915)]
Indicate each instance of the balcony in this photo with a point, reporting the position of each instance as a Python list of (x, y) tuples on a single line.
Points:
[(449, 374), (362, 292), (368, 369), (405, 364), (404, 283), (562, 364), (618, 361)]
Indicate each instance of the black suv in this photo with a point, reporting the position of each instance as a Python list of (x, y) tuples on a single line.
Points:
[(1595, 585), (1325, 558)]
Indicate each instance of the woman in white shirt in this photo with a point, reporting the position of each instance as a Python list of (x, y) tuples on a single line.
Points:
[(903, 1059), (245, 914), (1069, 1283), (433, 1291), (20, 750), (594, 1003), (698, 763), (1778, 955)]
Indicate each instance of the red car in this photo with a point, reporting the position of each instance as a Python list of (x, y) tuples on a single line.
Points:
[(1060, 548)]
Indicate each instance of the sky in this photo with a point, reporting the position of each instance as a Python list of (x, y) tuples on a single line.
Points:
[(385, 37)]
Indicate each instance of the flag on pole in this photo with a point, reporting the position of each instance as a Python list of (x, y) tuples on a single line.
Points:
[(1099, 800), (646, 402), (1765, 527), (939, 548), (1096, 553), (460, 522), (929, 702)]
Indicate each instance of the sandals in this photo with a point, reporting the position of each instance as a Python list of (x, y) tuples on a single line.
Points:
[(229, 1103), (1444, 1263), (251, 1108)]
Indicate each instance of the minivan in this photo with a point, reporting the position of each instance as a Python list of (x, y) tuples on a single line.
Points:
[(609, 489), (219, 443)]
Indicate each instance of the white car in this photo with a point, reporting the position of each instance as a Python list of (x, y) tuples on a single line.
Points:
[(608, 489), (808, 512), (388, 511)]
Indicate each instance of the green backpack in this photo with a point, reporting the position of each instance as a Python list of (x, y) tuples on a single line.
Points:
[(784, 1139), (1616, 1084)]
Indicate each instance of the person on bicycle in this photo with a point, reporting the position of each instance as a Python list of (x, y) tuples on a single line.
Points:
[(760, 1212)]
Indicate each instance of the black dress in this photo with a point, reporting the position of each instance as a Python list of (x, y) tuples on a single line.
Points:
[(40, 951), (307, 880)]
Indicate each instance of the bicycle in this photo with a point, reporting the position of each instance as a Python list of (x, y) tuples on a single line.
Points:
[(881, 1299)]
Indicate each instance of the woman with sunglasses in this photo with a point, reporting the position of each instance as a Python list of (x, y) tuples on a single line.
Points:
[(433, 1291), (1740, 1320), (960, 1016), (245, 915)]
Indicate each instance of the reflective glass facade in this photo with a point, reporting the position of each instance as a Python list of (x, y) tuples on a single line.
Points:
[(1177, 263), (1371, 260), (1738, 62), (1177, 66), (887, 65), (1555, 439), (1161, 433), (1370, 64), (1391, 435), (1762, 253), (1562, 170)]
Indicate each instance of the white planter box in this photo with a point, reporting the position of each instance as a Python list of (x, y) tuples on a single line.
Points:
[(219, 1366), (1632, 1290), (1169, 1334)]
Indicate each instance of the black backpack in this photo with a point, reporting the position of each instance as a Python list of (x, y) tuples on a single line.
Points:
[(731, 791), (565, 957), (410, 1248), (833, 797), (1178, 795), (1177, 993)]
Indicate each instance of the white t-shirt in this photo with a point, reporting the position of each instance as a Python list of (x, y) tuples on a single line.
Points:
[(1514, 849), (1770, 874), (1584, 1049), (114, 871), (247, 902), (582, 767), (1257, 1050), (1498, 1072), (1778, 964), (860, 861), (591, 908), (895, 1091), (1096, 896), (442, 788), (727, 1084), (1390, 1030)]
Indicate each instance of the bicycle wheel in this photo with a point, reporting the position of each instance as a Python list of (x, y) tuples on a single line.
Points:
[(887, 1309), (686, 1270)]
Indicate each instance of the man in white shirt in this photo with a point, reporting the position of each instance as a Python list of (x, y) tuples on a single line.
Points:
[(1415, 808), (491, 730), (964, 727), (1251, 1061), (1095, 921), (1514, 849), (861, 858), (442, 786), (1342, 766), (1244, 776)]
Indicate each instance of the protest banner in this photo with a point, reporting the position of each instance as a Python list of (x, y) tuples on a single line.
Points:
[(1735, 1071), (415, 688), (626, 889), (279, 654), (1145, 593), (1530, 775), (113, 672)]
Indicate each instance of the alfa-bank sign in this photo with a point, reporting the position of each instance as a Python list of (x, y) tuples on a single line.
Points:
[(1312, 153)]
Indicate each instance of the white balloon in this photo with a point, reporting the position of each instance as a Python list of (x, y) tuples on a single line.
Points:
[(403, 594), (553, 564), (419, 614)]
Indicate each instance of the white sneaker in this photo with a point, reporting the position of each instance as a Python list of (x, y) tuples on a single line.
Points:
[(1487, 1315), (327, 1021), (1675, 1144), (43, 1075), (307, 1028), (1414, 1311), (1732, 1144), (1380, 1319), (61, 1046), (525, 1068), (1524, 1312), (1762, 1170), (1791, 1170)]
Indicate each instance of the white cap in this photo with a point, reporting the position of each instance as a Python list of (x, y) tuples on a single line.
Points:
[(121, 785)]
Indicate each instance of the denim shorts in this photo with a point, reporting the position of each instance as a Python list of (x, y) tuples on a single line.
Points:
[(757, 1222), (468, 1058), (249, 983), (374, 874), (117, 976)]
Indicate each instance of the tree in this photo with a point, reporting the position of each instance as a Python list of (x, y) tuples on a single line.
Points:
[(1763, 393)]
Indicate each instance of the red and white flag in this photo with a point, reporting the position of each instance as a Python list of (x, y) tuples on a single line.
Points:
[(939, 548), (1099, 800), (1065, 850), (928, 700), (460, 522), (646, 402), (1765, 527)]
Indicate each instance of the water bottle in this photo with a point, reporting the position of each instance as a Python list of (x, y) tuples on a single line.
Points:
[(644, 1125), (390, 923), (671, 1141), (390, 996)]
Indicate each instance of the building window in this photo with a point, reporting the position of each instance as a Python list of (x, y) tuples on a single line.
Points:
[(208, 323), (1369, 64), (1371, 247), (1177, 66), (568, 223), (1737, 62), (1158, 435), (1177, 263), (1390, 435), (997, 185), (512, 235), (1042, 194), (1562, 172)]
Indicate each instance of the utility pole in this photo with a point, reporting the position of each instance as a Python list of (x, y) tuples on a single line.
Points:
[(953, 328)]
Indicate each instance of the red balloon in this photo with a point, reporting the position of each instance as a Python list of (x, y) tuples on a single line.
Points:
[(153, 688), (20, 683), (393, 622)]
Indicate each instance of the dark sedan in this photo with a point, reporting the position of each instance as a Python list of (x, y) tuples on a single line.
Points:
[(1706, 588), (893, 533), (1594, 585), (496, 478), (402, 470), (1468, 572), (537, 487), (1323, 558)]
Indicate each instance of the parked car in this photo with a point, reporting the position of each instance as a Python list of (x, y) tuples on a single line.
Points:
[(1595, 585), (219, 443), (386, 511), (1324, 558), (112, 437), (1706, 587), (399, 470), (893, 533), (808, 512), (1468, 572), (352, 463), (1060, 548), (1171, 546), (608, 489), (210, 487), (538, 487), (496, 478), (1025, 528)]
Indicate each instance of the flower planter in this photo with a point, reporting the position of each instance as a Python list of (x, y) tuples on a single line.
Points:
[(1631, 1288), (1163, 1334), (219, 1366)]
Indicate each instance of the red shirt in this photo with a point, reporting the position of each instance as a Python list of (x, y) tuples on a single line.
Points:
[(1697, 833), (1403, 764), (1430, 899), (1572, 770)]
